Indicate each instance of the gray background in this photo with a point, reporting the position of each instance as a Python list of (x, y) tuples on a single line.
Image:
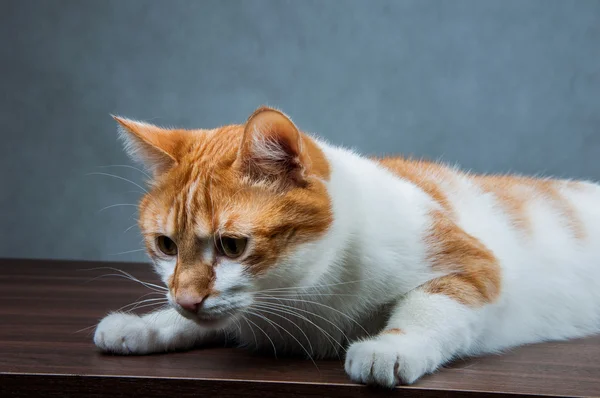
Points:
[(496, 86)]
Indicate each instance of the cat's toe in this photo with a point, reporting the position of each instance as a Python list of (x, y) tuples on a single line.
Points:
[(371, 362), (124, 334), (383, 364)]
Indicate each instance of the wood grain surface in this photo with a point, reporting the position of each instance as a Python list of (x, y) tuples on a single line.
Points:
[(44, 303)]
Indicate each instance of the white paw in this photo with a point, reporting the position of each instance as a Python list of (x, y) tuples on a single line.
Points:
[(120, 333), (385, 362)]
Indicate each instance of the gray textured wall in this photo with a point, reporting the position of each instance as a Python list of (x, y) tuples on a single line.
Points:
[(493, 85)]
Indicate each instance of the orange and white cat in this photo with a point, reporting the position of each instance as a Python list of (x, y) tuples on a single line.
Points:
[(279, 241)]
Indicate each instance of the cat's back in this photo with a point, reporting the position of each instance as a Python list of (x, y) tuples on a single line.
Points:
[(545, 234), (524, 209)]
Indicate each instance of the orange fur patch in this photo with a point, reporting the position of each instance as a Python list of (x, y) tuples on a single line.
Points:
[(204, 194), (425, 175), (458, 288), (511, 195), (319, 165), (474, 273), (392, 331), (565, 208), (514, 193)]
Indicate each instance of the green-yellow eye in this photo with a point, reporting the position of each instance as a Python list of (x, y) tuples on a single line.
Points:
[(231, 247), (166, 245)]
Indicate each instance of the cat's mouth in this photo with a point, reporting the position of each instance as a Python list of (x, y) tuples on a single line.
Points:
[(207, 320), (215, 312), (212, 322)]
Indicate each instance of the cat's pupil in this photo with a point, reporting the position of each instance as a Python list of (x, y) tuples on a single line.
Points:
[(232, 246)]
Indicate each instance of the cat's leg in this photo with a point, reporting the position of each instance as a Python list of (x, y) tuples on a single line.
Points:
[(159, 331), (437, 321), (424, 332)]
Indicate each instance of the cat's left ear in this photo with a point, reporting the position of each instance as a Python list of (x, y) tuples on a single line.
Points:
[(156, 148), (273, 150)]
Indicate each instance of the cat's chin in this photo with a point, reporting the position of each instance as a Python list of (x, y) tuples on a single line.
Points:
[(208, 322), (212, 323)]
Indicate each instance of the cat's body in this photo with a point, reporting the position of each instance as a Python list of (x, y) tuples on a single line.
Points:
[(404, 264)]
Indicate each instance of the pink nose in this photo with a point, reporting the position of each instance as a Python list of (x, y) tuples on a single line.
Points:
[(190, 302)]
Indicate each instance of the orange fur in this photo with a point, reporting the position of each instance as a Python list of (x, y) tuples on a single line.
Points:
[(474, 273), (395, 331), (515, 193), (512, 195), (208, 191), (425, 175), (565, 208)]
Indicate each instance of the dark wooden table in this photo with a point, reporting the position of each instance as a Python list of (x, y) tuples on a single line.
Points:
[(44, 303)]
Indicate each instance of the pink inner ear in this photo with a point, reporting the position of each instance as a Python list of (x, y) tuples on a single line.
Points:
[(275, 127), (272, 148)]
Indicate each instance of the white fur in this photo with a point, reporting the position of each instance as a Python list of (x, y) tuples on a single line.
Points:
[(160, 331), (364, 275)]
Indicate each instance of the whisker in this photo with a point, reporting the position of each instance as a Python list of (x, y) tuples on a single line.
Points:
[(288, 307), (120, 309), (139, 304), (118, 177), (128, 167), (147, 284), (116, 205), (293, 323), (273, 324), (86, 328), (238, 324), (124, 277), (137, 299), (329, 337), (322, 305), (230, 334), (149, 305), (127, 230), (315, 286), (261, 329), (126, 252), (291, 335), (252, 330), (295, 294)]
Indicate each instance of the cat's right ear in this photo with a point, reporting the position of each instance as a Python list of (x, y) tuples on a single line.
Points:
[(155, 147)]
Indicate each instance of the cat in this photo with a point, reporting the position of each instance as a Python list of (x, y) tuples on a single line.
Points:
[(280, 242)]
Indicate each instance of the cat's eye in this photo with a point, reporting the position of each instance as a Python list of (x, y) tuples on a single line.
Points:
[(231, 247), (166, 245)]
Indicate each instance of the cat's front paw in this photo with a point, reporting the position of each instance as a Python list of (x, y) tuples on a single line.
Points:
[(385, 363), (125, 334)]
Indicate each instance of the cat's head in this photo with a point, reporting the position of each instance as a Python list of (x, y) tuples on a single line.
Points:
[(232, 211)]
